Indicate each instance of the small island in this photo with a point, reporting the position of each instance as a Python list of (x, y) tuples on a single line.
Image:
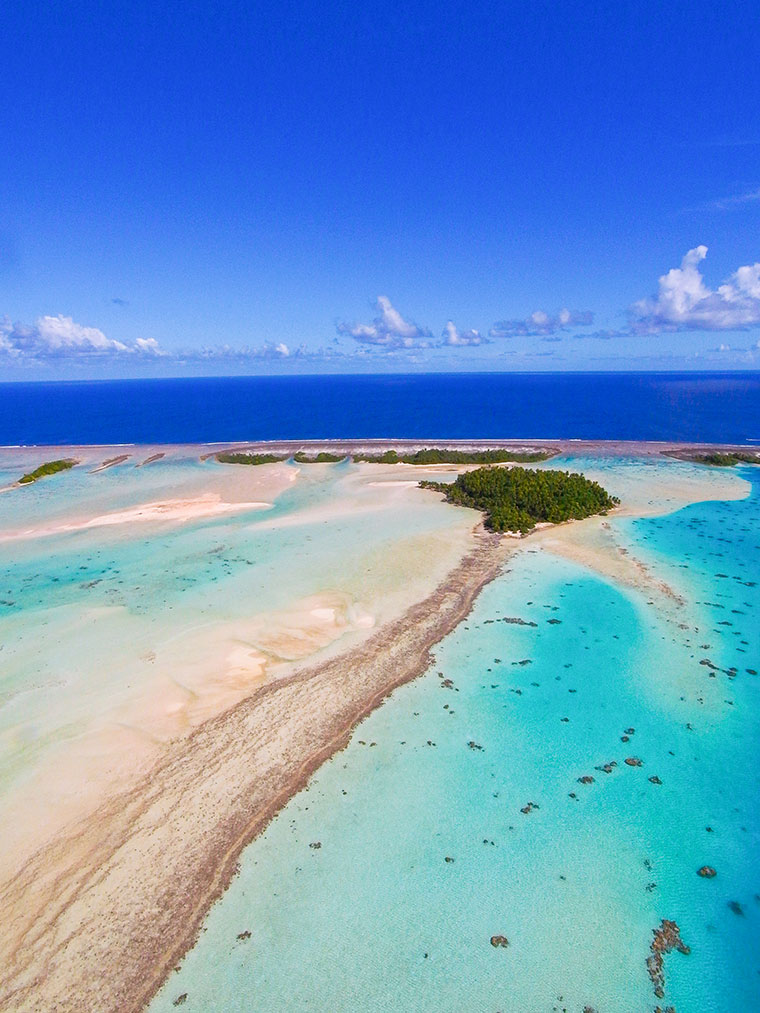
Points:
[(48, 468), (425, 457), (227, 457), (240, 457), (518, 499), (724, 460), (323, 457), (436, 455)]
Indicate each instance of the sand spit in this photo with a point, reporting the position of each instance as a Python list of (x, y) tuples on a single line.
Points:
[(596, 544), (174, 511), (98, 919), (111, 462), (592, 544)]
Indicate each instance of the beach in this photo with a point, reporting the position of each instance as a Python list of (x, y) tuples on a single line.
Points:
[(110, 871)]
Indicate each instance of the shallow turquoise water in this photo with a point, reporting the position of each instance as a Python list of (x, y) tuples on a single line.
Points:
[(80, 611), (348, 897)]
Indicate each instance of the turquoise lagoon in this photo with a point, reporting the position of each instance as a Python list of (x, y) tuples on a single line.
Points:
[(380, 885)]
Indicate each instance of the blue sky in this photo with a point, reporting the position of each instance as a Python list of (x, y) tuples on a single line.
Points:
[(197, 188)]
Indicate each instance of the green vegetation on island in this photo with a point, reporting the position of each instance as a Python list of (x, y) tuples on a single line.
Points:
[(239, 458), (437, 455), (517, 499), (301, 457), (427, 456), (723, 460), (323, 457), (48, 468)]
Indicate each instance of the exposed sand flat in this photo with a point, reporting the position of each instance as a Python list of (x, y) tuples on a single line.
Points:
[(659, 490), (96, 920), (592, 544), (111, 462), (197, 675), (176, 675), (173, 511), (402, 482)]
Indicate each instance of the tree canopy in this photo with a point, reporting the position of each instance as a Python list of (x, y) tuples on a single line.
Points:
[(227, 457), (517, 499), (323, 457), (49, 468), (428, 455), (438, 455), (725, 460)]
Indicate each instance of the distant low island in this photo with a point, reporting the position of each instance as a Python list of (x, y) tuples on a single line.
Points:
[(436, 455), (227, 457), (323, 457), (720, 459), (48, 468), (425, 457), (520, 498)]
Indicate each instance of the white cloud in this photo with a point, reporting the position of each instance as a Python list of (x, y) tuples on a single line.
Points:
[(726, 203), (246, 353), (604, 335), (62, 335), (540, 323), (733, 354), (454, 338), (148, 346), (54, 337), (683, 301), (389, 329)]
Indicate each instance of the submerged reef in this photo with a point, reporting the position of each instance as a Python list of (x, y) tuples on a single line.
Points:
[(666, 939), (718, 458)]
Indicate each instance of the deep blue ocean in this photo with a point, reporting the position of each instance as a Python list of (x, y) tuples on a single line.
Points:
[(705, 407)]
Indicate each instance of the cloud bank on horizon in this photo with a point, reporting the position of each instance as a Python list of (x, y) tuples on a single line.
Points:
[(56, 337), (540, 324), (52, 338), (683, 302)]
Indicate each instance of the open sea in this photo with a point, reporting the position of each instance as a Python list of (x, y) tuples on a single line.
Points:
[(704, 407)]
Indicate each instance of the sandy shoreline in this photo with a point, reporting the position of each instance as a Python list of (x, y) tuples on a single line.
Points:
[(105, 934), (172, 511)]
